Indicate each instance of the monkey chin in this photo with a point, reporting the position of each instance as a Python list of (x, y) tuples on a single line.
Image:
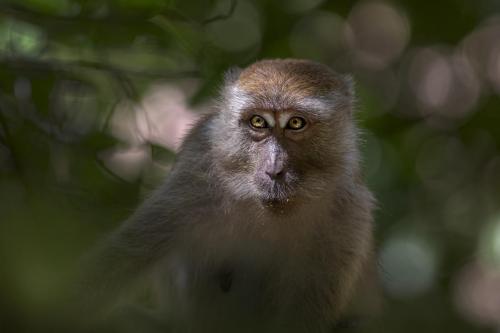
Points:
[(278, 197), (278, 207), (281, 204)]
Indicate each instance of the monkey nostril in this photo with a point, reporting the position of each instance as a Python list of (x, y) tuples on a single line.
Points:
[(275, 173)]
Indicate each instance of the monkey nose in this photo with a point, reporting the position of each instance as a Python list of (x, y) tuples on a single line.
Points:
[(275, 171)]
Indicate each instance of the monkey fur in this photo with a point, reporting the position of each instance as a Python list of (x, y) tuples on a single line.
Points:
[(265, 229)]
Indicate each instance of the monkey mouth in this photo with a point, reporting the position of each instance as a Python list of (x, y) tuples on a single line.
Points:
[(274, 193)]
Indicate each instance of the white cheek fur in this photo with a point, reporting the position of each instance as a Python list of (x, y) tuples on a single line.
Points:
[(238, 99)]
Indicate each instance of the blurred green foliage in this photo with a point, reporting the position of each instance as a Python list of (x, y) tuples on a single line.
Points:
[(428, 81)]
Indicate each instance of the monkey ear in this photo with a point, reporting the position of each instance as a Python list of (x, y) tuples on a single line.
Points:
[(348, 92), (232, 75), (350, 84)]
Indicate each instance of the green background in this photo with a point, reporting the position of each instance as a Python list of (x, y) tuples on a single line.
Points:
[(428, 84)]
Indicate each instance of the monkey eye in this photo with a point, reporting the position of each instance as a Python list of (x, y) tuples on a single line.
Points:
[(296, 123), (258, 122)]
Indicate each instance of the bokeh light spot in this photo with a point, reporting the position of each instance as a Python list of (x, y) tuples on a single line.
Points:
[(318, 36), (380, 33), (444, 83), (409, 266), (489, 243)]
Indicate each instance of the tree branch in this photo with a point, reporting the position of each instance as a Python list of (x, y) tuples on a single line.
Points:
[(66, 66), (220, 17), (45, 19)]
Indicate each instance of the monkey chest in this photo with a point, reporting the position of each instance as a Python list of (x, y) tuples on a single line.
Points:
[(255, 289), (233, 280), (228, 280)]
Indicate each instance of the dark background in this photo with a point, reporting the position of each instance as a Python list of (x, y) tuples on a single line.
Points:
[(95, 94)]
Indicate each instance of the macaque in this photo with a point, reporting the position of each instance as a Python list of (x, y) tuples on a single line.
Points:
[(264, 223)]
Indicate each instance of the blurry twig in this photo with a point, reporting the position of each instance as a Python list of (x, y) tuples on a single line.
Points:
[(120, 76), (220, 17), (7, 138), (130, 91), (125, 84), (43, 19), (69, 66), (164, 22), (26, 14)]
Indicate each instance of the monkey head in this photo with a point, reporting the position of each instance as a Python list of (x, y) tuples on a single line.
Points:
[(284, 130)]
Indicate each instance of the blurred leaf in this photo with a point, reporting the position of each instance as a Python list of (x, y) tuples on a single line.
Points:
[(161, 154), (98, 141)]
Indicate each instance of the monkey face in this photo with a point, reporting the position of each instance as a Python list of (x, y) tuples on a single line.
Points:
[(279, 156), (287, 131), (275, 173), (295, 154)]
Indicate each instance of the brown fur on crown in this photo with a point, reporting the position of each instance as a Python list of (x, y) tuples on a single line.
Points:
[(301, 78)]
